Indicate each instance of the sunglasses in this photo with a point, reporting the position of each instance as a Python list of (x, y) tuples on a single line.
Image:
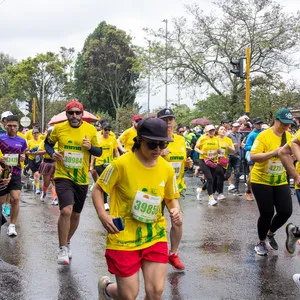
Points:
[(76, 112), (136, 121), (106, 129), (153, 145)]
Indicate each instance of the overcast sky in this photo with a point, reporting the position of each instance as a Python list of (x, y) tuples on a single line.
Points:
[(28, 27)]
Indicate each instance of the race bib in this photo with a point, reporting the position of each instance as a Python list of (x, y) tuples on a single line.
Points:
[(176, 166), (73, 160), (275, 167), (145, 207), (211, 154), (11, 159)]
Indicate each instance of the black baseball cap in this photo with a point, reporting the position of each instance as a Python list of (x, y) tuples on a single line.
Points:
[(257, 121), (153, 129), (225, 121), (165, 113), (106, 125)]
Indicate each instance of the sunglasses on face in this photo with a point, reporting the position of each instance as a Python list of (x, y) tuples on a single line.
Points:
[(168, 119), (136, 121), (76, 112), (106, 129), (152, 145)]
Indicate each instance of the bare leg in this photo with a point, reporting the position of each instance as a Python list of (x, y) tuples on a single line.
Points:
[(15, 196), (63, 225)]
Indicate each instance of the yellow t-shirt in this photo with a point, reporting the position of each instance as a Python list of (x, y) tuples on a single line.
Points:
[(108, 145), (176, 158), (126, 138), (270, 172), (223, 147), (132, 188), (75, 165), (33, 144), (210, 145), (42, 148)]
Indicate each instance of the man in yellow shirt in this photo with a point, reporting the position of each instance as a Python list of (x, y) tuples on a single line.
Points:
[(76, 141), (129, 134)]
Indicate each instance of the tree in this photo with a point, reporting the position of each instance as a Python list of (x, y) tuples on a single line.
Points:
[(46, 75), (203, 48), (5, 61), (107, 71)]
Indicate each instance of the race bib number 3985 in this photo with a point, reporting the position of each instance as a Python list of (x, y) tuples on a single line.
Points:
[(145, 207)]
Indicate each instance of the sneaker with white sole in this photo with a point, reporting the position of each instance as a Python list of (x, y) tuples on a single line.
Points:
[(63, 257), (231, 187), (198, 195), (292, 235), (211, 201), (106, 206), (102, 284), (69, 250), (43, 196), (38, 191), (11, 230), (261, 249), (54, 202), (221, 197), (296, 278)]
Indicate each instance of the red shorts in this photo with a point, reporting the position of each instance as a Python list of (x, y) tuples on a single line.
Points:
[(125, 263)]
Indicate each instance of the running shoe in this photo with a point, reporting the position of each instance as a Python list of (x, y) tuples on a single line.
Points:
[(261, 249), (211, 201), (38, 191), (6, 210), (198, 195), (272, 242), (249, 196), (296, 278), (54, 202), (102, 284), (63, 257), (106, 206), (43, 196), (231, 187), (292, 235), (221, 197), (175, 261), (11, 230), (69, 250)]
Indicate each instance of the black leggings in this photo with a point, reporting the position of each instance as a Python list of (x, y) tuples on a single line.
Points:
[(268, 197), (209, 174), (219, 180)]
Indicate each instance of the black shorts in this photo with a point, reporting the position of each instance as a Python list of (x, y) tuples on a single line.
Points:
[(33, 166), (14, 184), (70, 193)]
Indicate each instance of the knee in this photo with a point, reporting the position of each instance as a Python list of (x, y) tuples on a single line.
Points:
[(66, 211), (14, 200), (131, 293), (155, 292)]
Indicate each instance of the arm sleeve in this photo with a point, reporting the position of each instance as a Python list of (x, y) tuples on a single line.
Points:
[(96, 151)]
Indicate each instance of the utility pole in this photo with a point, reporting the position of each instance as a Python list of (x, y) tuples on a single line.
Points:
[(247, 109), (166, 64)]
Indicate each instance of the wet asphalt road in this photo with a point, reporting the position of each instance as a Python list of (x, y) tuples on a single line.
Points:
[(217, 249)]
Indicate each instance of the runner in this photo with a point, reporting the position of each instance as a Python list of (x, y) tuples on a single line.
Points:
[(269, 180), (126, 138), (175, 154), (13, 148), (47, 169), (34, 159), (138, 182), (109, 152), (76, 141)]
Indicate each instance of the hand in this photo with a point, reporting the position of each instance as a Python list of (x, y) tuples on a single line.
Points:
[(176, 216), (57, 156), (107, 222), (86, 143), (7, 180), (189, 163), (202, 152)]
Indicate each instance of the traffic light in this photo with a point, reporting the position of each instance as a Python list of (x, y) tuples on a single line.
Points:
[(28, 106), (238, 67)]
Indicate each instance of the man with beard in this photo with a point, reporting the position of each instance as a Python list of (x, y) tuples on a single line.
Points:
[(13, 148), (76, 141)]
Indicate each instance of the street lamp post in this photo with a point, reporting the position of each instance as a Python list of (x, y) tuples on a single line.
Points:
[(43, 100), (166, 64), (149, 79)]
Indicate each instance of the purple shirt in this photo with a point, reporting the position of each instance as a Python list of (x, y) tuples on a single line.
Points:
[(16, 145)]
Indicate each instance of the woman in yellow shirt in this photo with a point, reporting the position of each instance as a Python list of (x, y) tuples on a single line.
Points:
[(269, 180), (138, 182)]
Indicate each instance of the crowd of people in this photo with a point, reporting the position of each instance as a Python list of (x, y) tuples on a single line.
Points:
[(140, 175)]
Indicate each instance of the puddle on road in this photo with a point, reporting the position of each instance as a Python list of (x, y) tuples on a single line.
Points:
[(214, 247)]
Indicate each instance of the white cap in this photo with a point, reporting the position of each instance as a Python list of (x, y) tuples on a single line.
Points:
[(6, 114), (209, 127), (265, 126), (236, 124)]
